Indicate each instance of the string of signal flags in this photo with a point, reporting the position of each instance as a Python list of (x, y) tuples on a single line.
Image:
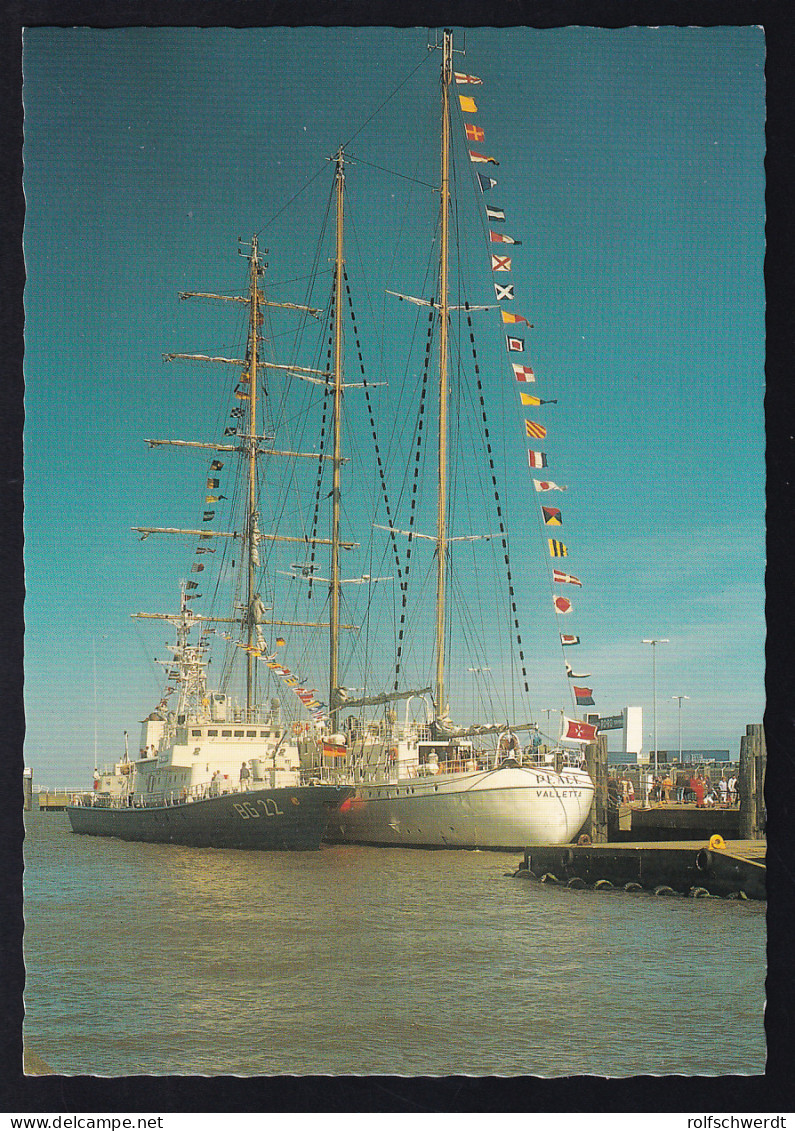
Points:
[(501, 266)]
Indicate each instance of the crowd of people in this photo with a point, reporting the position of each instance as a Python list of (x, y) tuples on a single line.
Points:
[(681, 786)]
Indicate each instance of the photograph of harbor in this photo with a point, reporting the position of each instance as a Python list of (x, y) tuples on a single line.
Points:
[(394, 551)]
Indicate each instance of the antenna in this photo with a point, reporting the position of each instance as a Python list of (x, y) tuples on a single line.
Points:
[(434, 43)]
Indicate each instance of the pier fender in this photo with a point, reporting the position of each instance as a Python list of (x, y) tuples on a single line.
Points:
[(698, 893), (737, 895), (704, 860), (576, 882), (632, 886), (525, 874), (602, 885), (549, 878), (663, 889)]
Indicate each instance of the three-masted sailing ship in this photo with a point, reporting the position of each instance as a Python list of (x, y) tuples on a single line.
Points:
[(385, 767)]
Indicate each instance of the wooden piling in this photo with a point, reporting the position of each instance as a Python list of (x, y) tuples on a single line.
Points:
[(751, 782), (596, 764), (27, 789)]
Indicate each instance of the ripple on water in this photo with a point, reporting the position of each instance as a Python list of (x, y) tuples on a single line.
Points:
[(169, 960)]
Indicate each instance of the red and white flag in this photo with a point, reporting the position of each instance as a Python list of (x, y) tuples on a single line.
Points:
[(536, 459), (575, 731), (547, 485), (523, 372), (461, 78), (559, 576), (474, 133), (516, 345), (562, 604), (498, 237), (500, 262)]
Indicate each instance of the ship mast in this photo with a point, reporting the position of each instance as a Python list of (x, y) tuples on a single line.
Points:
[(334, 586), (441, 514), (255, 317)]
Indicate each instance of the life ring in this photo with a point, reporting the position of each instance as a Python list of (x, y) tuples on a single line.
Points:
[(297, 728), (717, 842), (584, 839)]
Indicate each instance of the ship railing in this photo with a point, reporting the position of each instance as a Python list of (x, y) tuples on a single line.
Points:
[(458, 766), (323, 775)]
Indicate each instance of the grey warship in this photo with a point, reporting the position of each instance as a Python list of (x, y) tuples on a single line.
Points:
[(211, 771)]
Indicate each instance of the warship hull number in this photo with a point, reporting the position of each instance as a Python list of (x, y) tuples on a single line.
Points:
[(269, 808)]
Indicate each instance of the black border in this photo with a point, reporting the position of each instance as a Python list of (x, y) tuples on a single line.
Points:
[(772, 1092)]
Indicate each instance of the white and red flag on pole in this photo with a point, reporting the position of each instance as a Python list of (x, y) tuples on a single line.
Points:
[(575, 731), (562, 604)]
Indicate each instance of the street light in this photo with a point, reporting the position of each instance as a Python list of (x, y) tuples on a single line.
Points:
[(680, 698), (654, 644)]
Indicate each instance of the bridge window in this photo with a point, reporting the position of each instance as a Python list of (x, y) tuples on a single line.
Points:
[(212, 733)]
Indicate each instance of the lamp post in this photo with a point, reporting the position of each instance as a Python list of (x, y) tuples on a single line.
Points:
[(654, 644), (680, 698)]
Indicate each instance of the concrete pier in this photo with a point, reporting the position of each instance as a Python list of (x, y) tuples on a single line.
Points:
[(734, 868), (674, 821), (54, 800)]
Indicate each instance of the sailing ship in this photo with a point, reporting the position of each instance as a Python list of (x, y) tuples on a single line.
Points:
[(429, 782), (218, 770)]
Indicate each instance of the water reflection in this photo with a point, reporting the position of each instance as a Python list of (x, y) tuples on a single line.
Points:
[(157, 959)]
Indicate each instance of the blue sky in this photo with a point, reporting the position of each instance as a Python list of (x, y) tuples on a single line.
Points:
[(631, 167)]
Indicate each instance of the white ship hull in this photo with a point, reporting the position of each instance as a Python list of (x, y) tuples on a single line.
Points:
[(509, 808)]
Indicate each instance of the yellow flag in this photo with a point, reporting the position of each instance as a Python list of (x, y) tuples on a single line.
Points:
[(527, 399), (467, 104)]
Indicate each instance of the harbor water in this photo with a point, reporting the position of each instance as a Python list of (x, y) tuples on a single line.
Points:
[(152, 959)]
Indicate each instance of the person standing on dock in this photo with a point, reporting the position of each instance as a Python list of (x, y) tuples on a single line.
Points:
[(723, 787), (697, 786), (732, 784)]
